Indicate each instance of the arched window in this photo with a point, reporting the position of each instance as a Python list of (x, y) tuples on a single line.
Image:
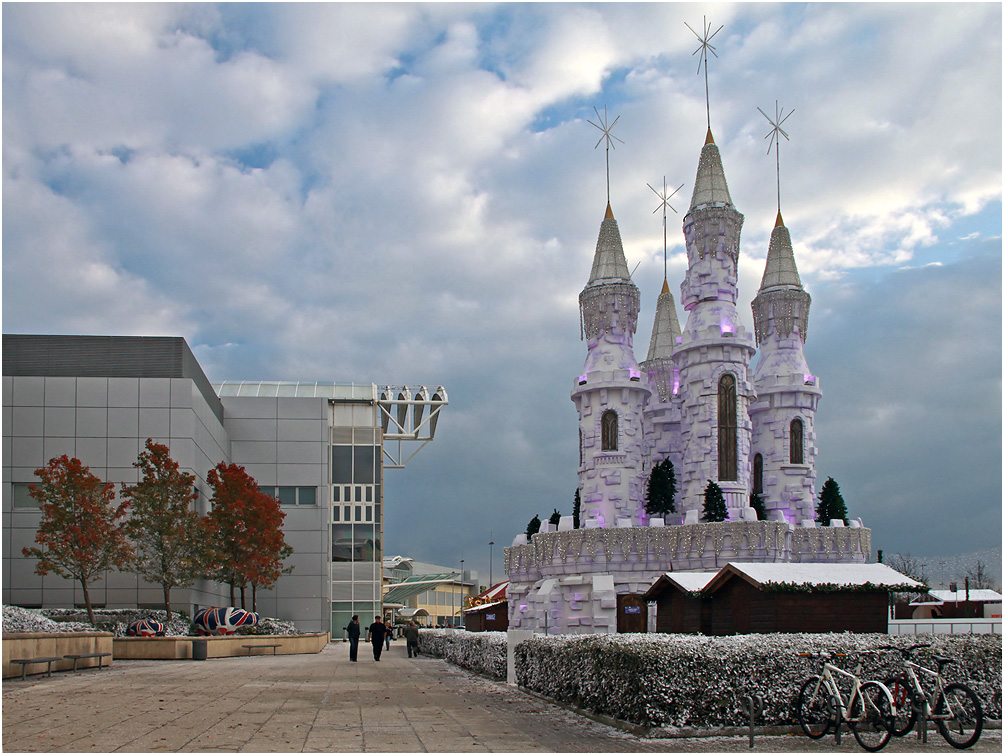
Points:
[(796, 442), (758, 473), (727, 468), (608, 428)]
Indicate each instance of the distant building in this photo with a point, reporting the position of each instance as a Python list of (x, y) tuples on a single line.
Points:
[(957, 604), (320, 448), (429, 594)]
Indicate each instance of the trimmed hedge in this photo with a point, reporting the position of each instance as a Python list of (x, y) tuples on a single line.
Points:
[(481, 652), (696, 681)]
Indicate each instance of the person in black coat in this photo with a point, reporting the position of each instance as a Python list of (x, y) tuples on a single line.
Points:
[(375, 634), (354, 630)]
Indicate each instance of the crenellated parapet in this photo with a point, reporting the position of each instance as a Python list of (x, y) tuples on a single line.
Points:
[(681, 548)]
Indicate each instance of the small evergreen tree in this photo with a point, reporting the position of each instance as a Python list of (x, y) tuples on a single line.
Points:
[(831, 503), (555, 518), (661, 496), (576, 508), (715, 509), (533, 527), (756, 503)]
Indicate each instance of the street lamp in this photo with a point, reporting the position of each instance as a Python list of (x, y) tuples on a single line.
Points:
[(491, 548), (461, 585)]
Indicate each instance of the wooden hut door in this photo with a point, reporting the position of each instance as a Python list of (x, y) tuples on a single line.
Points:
[(632, 614)]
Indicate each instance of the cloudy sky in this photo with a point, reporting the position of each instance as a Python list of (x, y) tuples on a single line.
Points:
[(400, 193)]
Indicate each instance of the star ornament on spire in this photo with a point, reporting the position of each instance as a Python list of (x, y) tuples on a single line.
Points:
[(608, 137), (775, 134), (704, 48), (665, 197)]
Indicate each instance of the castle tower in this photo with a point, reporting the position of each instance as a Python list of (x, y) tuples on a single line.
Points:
[(783, 449), (662, 414), (609, 395), (715, 349)]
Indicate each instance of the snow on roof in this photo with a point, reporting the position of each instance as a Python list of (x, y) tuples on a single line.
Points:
[(691, 581), (959, 596), (842, 575)]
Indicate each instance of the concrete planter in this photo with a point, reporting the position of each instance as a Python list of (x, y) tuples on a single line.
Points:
[(54, 644), (180, 648)]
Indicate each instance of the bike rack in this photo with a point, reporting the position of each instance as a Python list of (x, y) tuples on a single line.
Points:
[(753, 707)]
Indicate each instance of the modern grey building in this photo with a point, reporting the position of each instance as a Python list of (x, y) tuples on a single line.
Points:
[(320, 448)]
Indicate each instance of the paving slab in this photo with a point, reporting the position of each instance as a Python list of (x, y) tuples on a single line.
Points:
[(325, 703)]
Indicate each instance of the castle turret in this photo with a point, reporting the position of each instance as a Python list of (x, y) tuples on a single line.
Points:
[(715, 349), (609, 394), (784, 441)]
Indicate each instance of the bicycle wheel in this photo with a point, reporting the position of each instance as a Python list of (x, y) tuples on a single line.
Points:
[(960, 716), (906, 714), (871, 716), (814, 708)]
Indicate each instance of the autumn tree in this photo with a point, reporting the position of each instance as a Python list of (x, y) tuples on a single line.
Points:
[(245, 532), (82, 533), (169, 534)]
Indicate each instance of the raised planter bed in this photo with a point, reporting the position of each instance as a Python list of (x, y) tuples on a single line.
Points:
[(180, 648), (54, 644)]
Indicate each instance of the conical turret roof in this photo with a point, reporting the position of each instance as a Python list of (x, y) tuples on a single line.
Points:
[(609, 262), (666, 328), (710, 187), (780, 269)]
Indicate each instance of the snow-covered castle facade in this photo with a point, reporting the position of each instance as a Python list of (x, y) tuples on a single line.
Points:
[(696, 401)]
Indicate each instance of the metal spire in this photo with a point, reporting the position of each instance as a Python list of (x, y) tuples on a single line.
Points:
[(775, 134), (608, 137), (705, 47), (662, 206)]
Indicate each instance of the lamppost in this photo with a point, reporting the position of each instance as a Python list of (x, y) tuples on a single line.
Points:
[(491, 548), (461, 588)]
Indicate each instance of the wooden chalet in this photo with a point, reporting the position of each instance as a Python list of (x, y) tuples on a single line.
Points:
[(681, 607), (489, 611)]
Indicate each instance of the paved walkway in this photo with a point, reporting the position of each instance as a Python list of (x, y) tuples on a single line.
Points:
[(324, 703)]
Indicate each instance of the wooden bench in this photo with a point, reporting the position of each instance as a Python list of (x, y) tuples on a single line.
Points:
[(77, 657), (252, 647), (25, 662)]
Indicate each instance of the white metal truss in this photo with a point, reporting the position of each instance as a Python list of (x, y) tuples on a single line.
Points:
[(408, 417)]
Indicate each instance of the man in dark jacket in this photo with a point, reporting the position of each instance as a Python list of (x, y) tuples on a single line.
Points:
[(411, 635), (354, 630), (375, 633)]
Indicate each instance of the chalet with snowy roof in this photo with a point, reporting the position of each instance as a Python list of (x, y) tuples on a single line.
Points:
[(755, 598), (957, 604), (681, 606), (489, 611)]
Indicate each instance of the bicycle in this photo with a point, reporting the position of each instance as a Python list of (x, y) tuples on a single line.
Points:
[(868, 711), (954, 708)]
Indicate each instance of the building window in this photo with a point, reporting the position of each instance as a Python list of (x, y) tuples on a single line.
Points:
[(727, 426), (608, 430), (22, 496), (758, 474), (796, 441), (287, 495)]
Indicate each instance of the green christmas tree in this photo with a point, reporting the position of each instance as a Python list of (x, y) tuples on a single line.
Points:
[(555, 518), (533, 527), (661, 496), (715, 509), (576, 508), (831, 503), (756, 503)]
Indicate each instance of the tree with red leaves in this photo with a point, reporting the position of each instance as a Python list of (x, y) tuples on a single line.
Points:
[(81, 534), (169, 534), (245, 528)]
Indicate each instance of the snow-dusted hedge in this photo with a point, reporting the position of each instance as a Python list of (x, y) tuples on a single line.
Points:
[(17, 619), (697, 681), (481, 652), (683, 680)]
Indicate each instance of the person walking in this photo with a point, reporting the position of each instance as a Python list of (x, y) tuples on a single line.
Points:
[(411, 636), (390, 633), (375, 634), (354, 630)]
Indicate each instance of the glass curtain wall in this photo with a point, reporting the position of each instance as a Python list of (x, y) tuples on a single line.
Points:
[(356, 518)]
